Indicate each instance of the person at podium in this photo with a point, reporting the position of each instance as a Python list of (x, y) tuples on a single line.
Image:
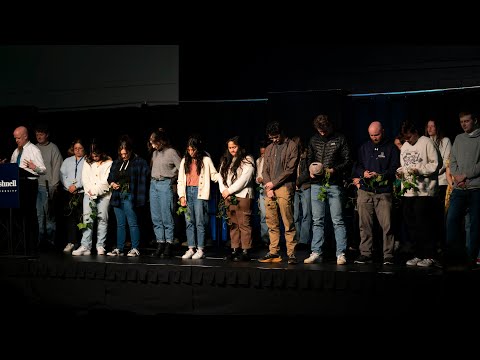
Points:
[(29, 158)]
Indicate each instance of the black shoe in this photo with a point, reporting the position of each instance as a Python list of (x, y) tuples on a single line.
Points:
[(292, 260), (270, 258), (388, 260), (160, 250), (244, 256), (236, 255), (362, 259), (168, 250)]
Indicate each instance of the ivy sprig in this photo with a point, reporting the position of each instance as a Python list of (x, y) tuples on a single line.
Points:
[(73, 203), (322, 194), (183, 210), (374, 182), (409, 182), (91, 218), (124, 188), (94, 214), (222, 208)]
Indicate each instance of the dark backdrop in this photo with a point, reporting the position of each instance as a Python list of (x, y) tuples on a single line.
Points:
[(218, 121)]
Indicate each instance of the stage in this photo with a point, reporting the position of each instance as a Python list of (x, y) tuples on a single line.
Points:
[(55, 284)]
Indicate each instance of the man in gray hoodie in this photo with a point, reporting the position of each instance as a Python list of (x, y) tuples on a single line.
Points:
[(465, 197)]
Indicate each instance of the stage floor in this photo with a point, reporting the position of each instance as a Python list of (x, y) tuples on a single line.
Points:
[(59, 283)]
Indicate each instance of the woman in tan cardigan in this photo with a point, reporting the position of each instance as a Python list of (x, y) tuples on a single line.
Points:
[(196, 171)]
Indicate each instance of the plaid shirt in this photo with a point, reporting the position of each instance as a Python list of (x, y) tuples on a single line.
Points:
[(139, 181)]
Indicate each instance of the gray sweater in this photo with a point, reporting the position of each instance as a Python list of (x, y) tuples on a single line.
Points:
[(465, 158), (165, 163), (53, 161)]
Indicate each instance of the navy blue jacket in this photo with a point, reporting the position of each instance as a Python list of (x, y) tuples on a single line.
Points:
[(383, 158)]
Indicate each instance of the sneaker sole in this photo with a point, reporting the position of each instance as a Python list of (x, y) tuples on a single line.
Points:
[(275, 260)]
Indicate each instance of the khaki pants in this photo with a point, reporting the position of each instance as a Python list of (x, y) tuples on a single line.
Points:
[(284, 203)]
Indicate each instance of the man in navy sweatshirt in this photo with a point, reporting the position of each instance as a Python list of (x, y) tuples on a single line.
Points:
[(374, 174)]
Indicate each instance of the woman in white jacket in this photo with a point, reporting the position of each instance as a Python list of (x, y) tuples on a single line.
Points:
[(96, 200), (194, 175), (236, 186)]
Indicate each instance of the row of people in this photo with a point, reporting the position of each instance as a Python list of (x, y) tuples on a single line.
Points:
[(282, 175)]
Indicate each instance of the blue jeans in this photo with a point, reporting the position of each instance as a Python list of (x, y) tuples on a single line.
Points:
[(334, 199), (161, 208), (125, 213), (46, 224), (195, 218), (463, 202), (263, 219), (102, 220), (303, 220)]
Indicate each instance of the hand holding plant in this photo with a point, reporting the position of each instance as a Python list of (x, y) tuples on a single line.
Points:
[(223, 206), (325, 184), (183, 209)]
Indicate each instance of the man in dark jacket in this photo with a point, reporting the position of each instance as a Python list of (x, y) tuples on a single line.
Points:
[(374, 175), (330, 149), (279, 175)]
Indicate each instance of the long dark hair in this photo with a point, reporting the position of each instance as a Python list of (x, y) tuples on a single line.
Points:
[(196, 143), (228, 160)]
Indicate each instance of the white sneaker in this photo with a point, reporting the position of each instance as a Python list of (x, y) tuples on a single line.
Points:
[(133, 252), (115, 252), (413, 262), (69, 247), (100, 250), (199, 254), (425, 263), (313, 258), (82, 250), (341, 260), (188, 254)]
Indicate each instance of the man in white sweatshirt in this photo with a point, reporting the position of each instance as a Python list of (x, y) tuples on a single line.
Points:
[(419, 175)]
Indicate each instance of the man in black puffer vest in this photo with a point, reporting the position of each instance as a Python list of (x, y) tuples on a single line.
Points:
[(331, 150)]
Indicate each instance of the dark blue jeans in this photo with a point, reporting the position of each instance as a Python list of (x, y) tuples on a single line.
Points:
[(463, 202)]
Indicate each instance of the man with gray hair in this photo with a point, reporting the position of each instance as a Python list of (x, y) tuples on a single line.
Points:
[(29, 158)]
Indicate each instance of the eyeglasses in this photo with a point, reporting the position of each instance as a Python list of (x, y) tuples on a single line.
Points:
[(274, 137)]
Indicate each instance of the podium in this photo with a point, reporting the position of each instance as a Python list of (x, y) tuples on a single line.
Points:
[(14, 219)]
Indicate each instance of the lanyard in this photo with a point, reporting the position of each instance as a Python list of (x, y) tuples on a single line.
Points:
[(76, 165)]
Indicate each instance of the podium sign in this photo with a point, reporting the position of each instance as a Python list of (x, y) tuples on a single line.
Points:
[(9, 186)]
